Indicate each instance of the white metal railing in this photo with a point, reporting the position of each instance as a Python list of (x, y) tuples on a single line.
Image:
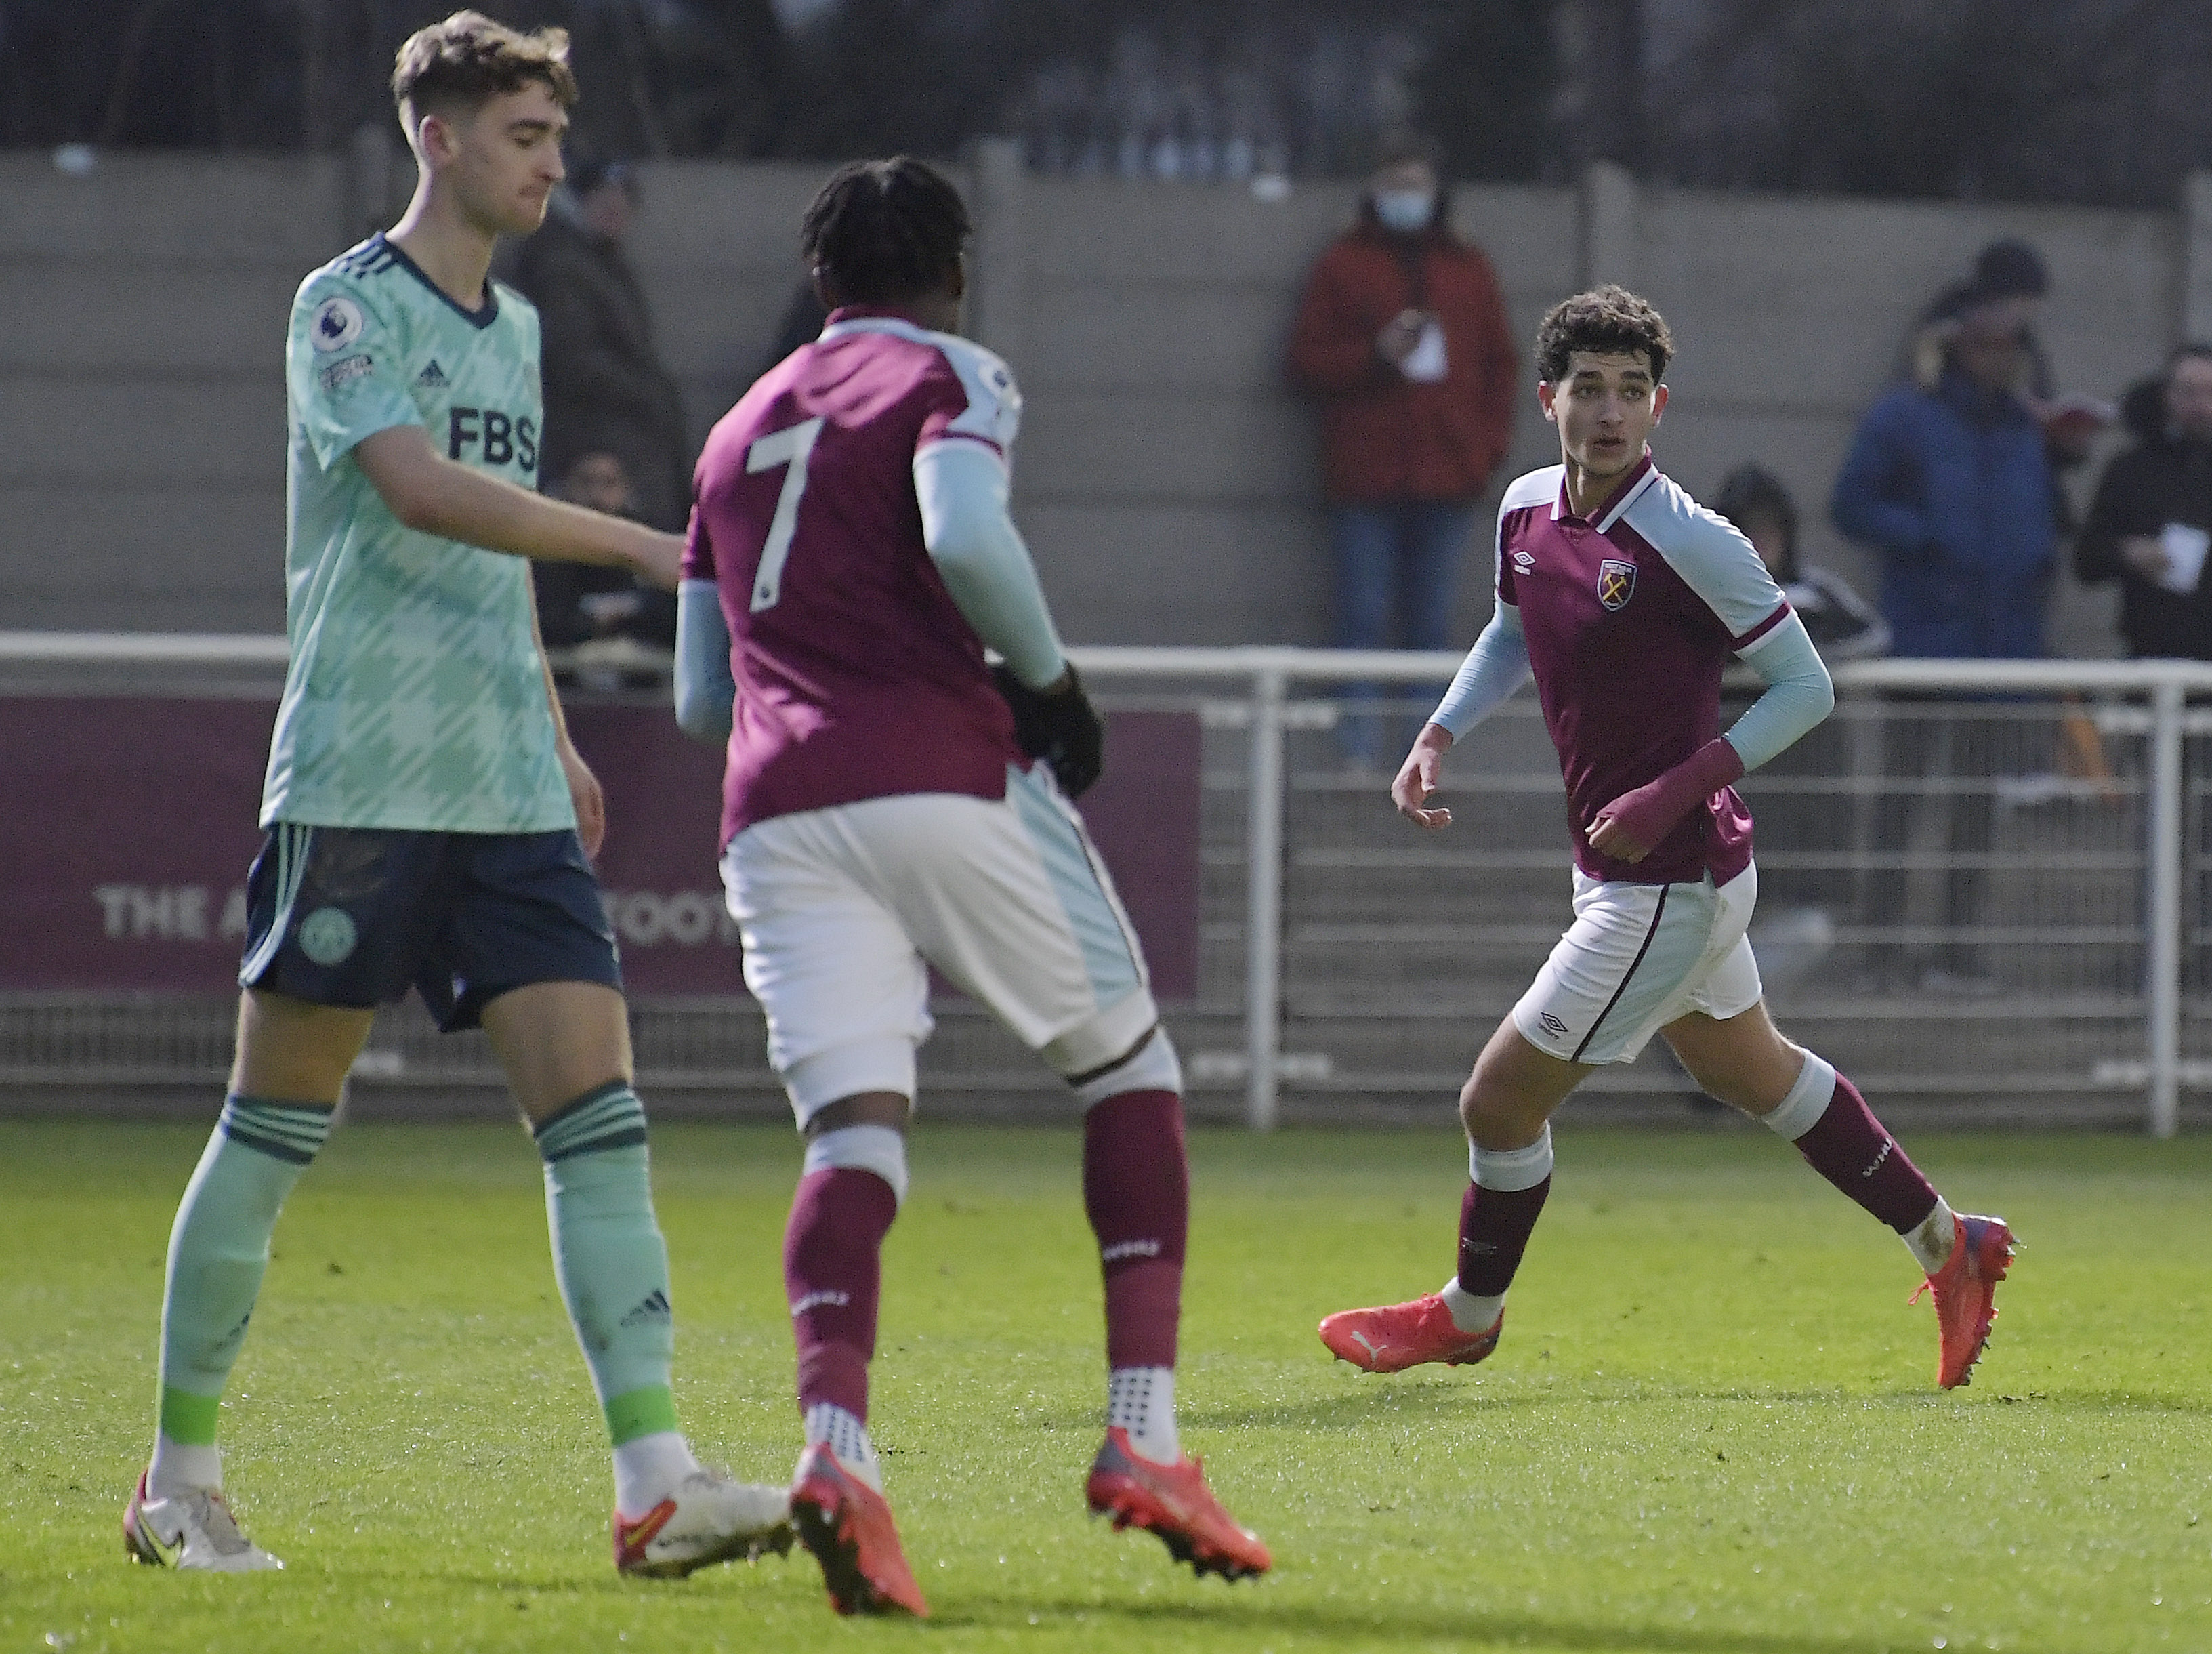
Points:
[(1267, 673), (2153, 701)]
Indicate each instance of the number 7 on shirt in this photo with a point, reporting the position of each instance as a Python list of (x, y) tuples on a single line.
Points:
[(788, 448)]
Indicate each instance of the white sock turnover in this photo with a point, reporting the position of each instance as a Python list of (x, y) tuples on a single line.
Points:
[(180, 1468), (1930, 1241), (846, 1437), (1141, 1400), (1471, 1312), (648, 1469)]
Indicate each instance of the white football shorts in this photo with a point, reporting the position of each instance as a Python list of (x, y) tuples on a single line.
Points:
[(1636, 957), (840, 909)]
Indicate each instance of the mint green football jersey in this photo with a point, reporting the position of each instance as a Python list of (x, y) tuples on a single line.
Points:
[(416, 696)]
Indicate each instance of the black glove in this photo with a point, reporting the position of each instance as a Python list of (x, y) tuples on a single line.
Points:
[(1063, 729)]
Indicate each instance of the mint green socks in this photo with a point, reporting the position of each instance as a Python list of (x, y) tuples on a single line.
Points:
[(607, 1253), (609, 1256), (218, 1251)]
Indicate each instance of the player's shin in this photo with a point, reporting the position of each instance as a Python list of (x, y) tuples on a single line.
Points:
[(1136, 1190), (850, 1192), (218, 1251), (1497, 1215), (613, 1269), (1839, 1137)]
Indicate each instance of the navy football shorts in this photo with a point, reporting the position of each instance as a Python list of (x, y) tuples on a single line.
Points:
[(356, 915)]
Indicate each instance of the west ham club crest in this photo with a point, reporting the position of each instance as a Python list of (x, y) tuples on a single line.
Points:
[(1616, 583)]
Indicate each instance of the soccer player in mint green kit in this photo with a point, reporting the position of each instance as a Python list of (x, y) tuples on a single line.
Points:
[(428, 819)]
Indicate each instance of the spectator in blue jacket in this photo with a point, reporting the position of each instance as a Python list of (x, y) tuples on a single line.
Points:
[(1950, 484)]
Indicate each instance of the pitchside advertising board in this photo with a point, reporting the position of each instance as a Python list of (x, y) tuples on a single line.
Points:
[(130, 825)]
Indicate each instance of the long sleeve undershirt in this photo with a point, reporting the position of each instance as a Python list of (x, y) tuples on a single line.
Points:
[(962, 487), (706, 693), (1799, 693), (1494, 668)]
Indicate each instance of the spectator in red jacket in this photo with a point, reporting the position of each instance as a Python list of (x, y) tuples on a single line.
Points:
[(1401, 336)]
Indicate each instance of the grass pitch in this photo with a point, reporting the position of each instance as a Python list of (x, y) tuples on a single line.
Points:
[(1711, 1424)]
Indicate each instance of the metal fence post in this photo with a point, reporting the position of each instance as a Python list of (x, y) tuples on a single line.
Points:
[(2162, 997), (1263, 901)]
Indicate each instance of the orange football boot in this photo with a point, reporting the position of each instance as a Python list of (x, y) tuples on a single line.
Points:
[(1174, 1502), (848, 1525), (1965, 1294), (1400, 1335)]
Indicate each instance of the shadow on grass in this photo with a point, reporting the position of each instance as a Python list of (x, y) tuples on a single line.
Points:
[(1253, 1614), (1357, 1409), (2084, 1402)]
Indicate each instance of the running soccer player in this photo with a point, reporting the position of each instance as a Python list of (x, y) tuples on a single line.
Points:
[(427, 819), (1625, 599), (851, 555)]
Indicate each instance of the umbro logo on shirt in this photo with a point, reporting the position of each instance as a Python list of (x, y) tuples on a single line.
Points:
[(432, 376), (1523, 561)]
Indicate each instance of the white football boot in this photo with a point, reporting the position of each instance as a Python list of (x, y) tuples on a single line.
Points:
[(711, 1517), (193, 1531)]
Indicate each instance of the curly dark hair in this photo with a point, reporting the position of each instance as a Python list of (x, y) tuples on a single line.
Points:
[(882, 232), (1610, 320), (467, 59)]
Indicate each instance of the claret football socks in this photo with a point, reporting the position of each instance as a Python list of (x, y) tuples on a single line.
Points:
[(1823, 1115), (1136, 1190), (833, 1277), (1461, 1324)]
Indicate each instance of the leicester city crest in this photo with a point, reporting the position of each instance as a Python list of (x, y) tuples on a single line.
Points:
[(1616, 583)]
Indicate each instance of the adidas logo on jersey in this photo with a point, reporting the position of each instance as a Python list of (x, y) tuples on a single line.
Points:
[(432, 377)]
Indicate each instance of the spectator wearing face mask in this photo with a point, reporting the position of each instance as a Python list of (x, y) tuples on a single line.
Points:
[(1401, 337)]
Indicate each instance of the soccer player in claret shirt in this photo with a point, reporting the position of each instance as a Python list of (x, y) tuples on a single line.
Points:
[(1626, 598), (427, 819), (851, 555)]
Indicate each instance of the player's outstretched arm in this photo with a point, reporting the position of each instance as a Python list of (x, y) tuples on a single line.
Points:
[(433, 494), (1494, 668), (1420, 776)]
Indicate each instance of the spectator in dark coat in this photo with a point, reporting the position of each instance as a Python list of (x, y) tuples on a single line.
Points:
[(606, 391), (1401, 336), (604, 628), (1950, 486), (1844, 626), (1841, 624), (2149, 524)]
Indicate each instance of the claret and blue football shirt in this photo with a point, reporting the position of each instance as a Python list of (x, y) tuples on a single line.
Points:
[(1630, 615), (416, 697)]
